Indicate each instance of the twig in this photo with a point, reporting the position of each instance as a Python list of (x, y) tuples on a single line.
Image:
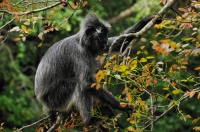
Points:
[(150, 107), (33, 11), (70, 15), (121, 37), (35, 123), (153, 121), (7, 23)]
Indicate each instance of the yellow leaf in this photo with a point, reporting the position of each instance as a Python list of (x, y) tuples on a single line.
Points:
[(132, 122), (134, 62), (39, 45), (167, 95), (142, 47), (125, 90), (107, 64), (123, 104), (27, 23), (94, 84), (197, 68), (164, 41), (170, 104), (99, 73), (143, 60), (198, 36), (175, 102), (101, 61), (138, 52), (185, 62), (173, 84), (112, 57), (115, 68), (154, 42), (105, 54), (187, 39), (131, 129), (165, 88), (23, 27), (84, 3), (130, 98), (183, 67), (198, 97), (150, 57), (109, 79), (195, 120), (97, 78), (177, 91), (17, 39), (101, 77), (122, 68), (146, 52), (98, 86), (192, 93)]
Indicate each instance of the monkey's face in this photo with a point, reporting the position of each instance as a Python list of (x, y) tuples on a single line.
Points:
[(97, 36)]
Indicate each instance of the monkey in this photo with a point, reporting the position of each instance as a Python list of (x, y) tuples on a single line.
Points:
[(66, 71)]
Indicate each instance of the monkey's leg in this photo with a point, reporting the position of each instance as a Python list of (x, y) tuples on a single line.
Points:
[(53, 117), (85, 106), (106, 97), (107, 111)]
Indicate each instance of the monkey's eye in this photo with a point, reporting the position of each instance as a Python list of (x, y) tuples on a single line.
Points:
[(90, 30), (103, 30)]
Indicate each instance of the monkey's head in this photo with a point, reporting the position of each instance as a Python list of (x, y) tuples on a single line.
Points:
[(95, 33)]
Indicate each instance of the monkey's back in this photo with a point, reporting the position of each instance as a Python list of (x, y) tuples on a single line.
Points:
[(58, 74)]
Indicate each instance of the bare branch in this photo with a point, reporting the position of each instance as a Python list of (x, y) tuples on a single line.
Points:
[(180, 99), (33, 11), (7, 23), (60, 118), (35, 123)]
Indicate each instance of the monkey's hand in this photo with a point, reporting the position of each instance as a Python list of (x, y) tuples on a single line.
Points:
[(158, 21), (107, 111)]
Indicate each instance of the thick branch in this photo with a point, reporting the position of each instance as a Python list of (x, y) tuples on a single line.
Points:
[(152, 22), (143, 31)]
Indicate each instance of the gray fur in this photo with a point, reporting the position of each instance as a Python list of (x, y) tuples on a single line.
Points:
[(67, 70)]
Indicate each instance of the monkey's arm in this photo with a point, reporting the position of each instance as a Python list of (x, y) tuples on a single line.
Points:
[(133, 29)]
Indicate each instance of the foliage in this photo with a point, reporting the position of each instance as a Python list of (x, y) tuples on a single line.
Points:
[(160, 79)]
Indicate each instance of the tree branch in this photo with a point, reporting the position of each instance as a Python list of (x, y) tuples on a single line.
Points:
[(7, 23), (180, 99), (144, 30), (35, 123), (33, 11)]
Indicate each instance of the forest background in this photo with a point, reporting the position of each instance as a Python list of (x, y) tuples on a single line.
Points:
[(160, 78)]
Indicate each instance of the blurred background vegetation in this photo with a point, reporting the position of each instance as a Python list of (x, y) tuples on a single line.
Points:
[(19, 60)]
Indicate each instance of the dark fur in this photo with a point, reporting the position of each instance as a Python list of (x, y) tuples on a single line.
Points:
[(67, 70)]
